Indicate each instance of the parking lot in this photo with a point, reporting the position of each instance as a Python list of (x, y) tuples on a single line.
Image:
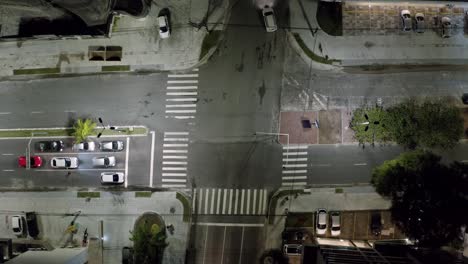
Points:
[(381, 18)]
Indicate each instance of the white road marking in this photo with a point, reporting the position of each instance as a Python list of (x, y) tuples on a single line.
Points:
[(126, 161), (182, 93), (242, 202), (7, 154), (229, 224), (230, 201), (174, 157), (195, 70), (181, 87), (182, 81), (175, 151), (174, 180), (193, 200), (260, 200), (174, 185), (320, 165), (174, 168), (218, 202), (320, 102), (360, 164), (174, 163), (175, 139), (235, 201), (264, 206), (181, 111), (70, 111), (294, 153), (182, 117), (37, 112), (204, 246), (8, 170), (195, 75), (299, 159), (76, 170), (224, 240), (241, 246), (293, 183), (180, 105), (294, 178), (200, 200), (248, 202), (294, 171), (152, 158), (224, 201), (254, 201), (5, 113), (175, 145), (181, 99), (206, 200), (295, 165), (176, 133), (170, 174), (212, 201), (295, 147)]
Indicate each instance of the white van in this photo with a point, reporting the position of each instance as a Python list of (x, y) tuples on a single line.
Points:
[(269, 19), (17, 225)]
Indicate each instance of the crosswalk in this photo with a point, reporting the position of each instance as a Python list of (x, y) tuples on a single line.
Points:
[(294, 166), (216, 201), (182, 95), (174, 159)]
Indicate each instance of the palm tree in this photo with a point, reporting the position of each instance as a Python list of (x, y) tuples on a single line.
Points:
[(82, 129)]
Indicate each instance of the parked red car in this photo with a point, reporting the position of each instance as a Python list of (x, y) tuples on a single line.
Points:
[(36, 161)]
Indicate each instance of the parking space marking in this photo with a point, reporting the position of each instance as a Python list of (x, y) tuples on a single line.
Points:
[(126, 161), (153, 137)]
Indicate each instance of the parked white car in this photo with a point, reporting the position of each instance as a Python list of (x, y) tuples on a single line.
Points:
[(64, 162), (17, 224), (269, 19), (406, 20), (446, 24), (104, 161), (112, 177), (335, 223), (116, 145), (164, 28), (321, 221), (85, 146)]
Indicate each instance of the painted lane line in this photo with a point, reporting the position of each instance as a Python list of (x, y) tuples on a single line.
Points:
[(5, 113), (299, 159), (224, 201), (295, 147), (174, 168), (294, 153), (174, 157), (218, 202), (235, 201), (254, 201), (7, 154), (194, 75), (294, 178), (320, 165), (153, 135), (175, 139), (181, 111), (174, 180), (174, 151), (193, 201), (229, 224), (264, 206), (8, 170), (180, 105), (37, 112), (175, 133), (170, 174), (213, 191), (242, 202), (241, 246), (230, 201), (126, 161), (174, 185), (360, 164), (191, 87), (206, 200), (181, 99), (294, 165), (174, 163), (175, 145), (182, 81), (293, 183), (182, 93), (294, 171), (70, 111)]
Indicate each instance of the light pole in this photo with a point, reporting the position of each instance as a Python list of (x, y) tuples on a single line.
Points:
[(104, 128)]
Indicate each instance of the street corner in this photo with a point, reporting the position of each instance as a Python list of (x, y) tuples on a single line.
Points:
[(300, 126), (330, 127), (347, 133)]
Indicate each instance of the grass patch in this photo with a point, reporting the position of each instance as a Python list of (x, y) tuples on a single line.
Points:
[(310, 53), (69, 131), (113, 68), (274, 202), (36, 71), (186, 204), (143, 194), (88, 194), (209, 41), (339, 190)]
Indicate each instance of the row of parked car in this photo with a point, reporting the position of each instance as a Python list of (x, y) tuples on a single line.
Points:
[(418, 23), (322, 222), (21, 225)]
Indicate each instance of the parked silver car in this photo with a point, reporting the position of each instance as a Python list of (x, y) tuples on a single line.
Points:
[(269, 19), (321, 221), (420, 22), (406, 20), (116, 145), (64, 162), (104, 161), (85, 146), (446, 24)]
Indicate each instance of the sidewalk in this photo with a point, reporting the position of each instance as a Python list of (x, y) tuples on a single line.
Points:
[(141, 47), (351, 198), (367, 46), (117, 211)]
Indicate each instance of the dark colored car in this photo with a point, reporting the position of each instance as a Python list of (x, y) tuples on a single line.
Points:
[(50, 146), (376, 223), (31, 222), (465, 98)]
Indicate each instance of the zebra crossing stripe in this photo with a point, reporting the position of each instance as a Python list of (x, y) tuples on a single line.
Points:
[(264, 201), (176, 134), (174, 180), (295, 165), (174, 185), (235, 203), (224, 201), (174, 174), (206, 200), (242, 202), (182, 81), (175, 139), (181, 105), (194, 210), (200, 200), (293, 183), (230, 201), (248, 202), (298, 159), (194, 75), (218, 202), (294, 153), (212, 201), (182, 87), (255, 199), (295, 147), (294, 178), (174, 157), (175, 145), (294, 171)]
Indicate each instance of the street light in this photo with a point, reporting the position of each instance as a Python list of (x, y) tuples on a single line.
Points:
[(104, 127)]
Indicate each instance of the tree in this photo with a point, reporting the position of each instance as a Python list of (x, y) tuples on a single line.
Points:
[(82, 129), (370, 125), (149, 242), (428, 198)]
